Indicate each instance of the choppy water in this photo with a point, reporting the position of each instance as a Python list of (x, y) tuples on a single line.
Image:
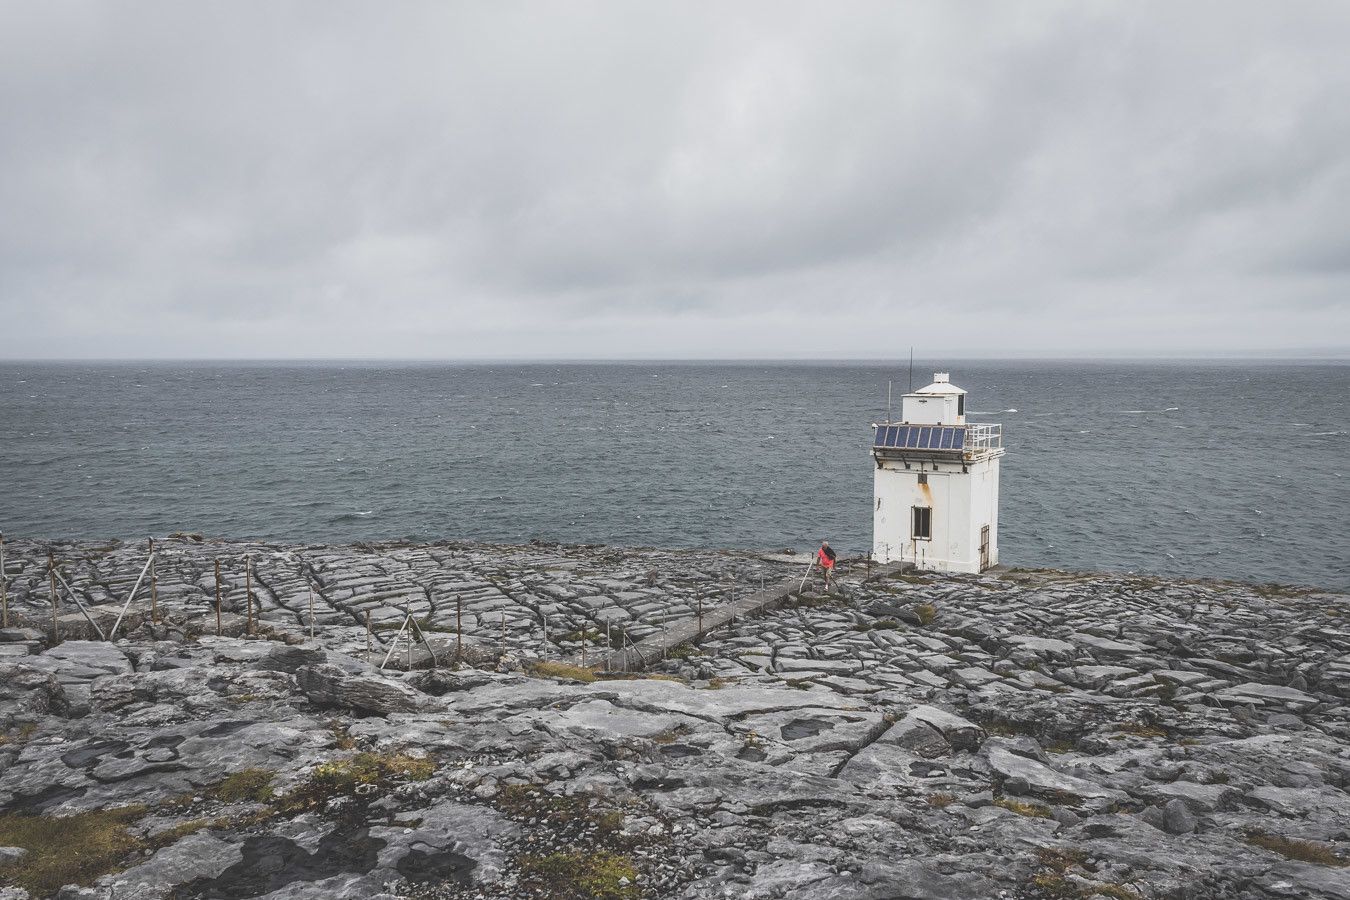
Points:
[(1224, 469)]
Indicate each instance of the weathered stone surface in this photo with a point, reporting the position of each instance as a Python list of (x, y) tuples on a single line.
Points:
[(1043, 780), (960, 733), (1204, 798), (827, 749), (329, 685), (1252, 692), (74, 662), (283, 658)]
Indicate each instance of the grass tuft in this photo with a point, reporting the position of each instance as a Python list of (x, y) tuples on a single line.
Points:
[(683, 651), (19, 736), (250, 785), (926, 612), (1292, 848), (1139, 729), (342, 738), (1022, 808), (589, 635), (637, 676), (550, 669)]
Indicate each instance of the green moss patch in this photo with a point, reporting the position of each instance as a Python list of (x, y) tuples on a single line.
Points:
[(564, 876), (363, 775), (534, 802), (68, 849)]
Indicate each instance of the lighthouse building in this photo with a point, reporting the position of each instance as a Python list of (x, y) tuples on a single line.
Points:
[(935, 498)]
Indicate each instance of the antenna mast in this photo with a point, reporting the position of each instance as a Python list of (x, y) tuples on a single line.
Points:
[(911, 370)]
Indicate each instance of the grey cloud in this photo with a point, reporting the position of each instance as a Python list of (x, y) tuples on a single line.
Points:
[(609, 179)]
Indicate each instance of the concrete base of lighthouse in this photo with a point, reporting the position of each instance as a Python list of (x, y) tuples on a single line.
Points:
[(959, 532)]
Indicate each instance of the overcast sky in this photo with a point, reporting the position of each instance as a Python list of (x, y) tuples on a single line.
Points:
[(327, 179)]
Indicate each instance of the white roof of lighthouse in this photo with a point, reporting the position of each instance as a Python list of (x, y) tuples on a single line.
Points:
[(941, 385)]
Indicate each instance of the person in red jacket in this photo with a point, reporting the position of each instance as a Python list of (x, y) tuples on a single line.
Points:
[(826, 556)]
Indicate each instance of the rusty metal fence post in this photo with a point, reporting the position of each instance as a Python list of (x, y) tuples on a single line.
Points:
[(51, 578), (217, 598), (248, 592), (4, 587)]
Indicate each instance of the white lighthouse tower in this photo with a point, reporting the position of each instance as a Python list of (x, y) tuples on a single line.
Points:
[(935, 500)]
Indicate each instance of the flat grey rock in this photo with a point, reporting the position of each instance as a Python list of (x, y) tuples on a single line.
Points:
[(81, 661), (329, 685), (1253, 692), (1043, 780)]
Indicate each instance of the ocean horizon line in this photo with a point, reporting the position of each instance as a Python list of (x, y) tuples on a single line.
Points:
[(1342, 359)]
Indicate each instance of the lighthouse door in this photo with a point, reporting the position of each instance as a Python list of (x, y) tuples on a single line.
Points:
[(984, 548)]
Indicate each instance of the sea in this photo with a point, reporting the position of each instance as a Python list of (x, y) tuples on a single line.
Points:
[(1228, 469)]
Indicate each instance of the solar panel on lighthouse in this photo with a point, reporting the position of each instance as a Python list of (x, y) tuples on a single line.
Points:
[(920, 437)]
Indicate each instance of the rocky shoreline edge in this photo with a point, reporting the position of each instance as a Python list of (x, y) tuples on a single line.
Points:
[(1020, 734)]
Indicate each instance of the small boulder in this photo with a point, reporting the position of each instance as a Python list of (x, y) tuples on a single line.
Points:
[(1066, 817), (1177, 817), (26, 692)]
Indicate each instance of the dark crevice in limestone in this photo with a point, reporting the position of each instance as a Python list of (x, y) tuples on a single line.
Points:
[(872, 737)]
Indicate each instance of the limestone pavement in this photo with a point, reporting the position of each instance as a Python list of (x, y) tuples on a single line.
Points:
[(1016, 734)]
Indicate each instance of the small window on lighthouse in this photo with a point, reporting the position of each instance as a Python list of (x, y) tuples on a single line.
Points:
[(923, 523), (960, 404)]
